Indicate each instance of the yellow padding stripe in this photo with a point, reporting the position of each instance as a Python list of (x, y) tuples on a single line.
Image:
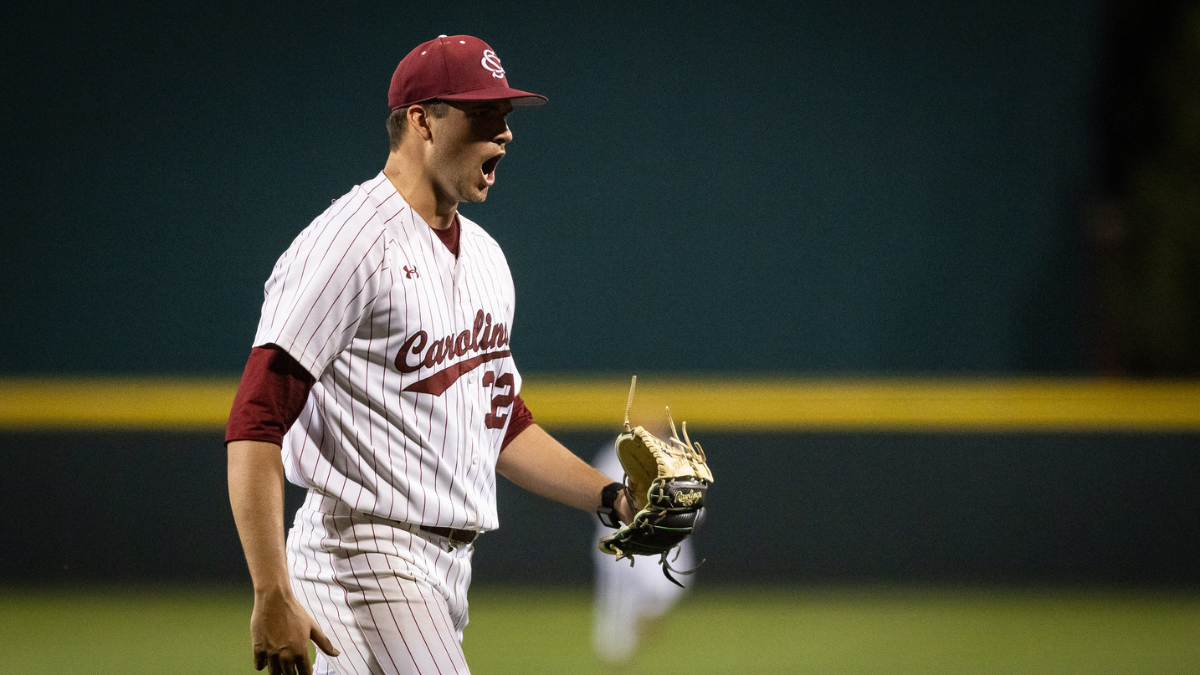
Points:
[(874, 404), (183, 404), (709, 403)]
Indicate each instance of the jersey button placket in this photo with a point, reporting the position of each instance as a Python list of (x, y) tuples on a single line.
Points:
[(464, 304), (473, 445)]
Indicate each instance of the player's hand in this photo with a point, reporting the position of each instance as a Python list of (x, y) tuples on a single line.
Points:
[(280, 630), (623, 507)]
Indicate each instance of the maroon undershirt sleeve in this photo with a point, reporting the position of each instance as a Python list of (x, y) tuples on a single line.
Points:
[(521, 420), (269, 398)]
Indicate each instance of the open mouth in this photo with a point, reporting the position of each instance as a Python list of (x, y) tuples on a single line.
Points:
[(489, 168)]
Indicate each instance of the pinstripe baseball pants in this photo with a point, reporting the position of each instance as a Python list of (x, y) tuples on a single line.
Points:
[(391, 598)]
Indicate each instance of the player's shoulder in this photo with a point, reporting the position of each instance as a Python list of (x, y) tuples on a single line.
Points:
[(355, 219), (368, 204)]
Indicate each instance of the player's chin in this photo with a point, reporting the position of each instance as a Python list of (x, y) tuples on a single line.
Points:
[(476, 194)]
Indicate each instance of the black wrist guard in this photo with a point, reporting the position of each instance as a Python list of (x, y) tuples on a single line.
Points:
[(606, 512)]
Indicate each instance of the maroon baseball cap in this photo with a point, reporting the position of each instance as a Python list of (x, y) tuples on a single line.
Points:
[(454, 68)]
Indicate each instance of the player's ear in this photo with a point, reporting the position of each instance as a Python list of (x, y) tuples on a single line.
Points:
[(418, 121)]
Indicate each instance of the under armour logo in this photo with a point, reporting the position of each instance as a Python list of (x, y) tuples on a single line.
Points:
[(410, 273), (492, 63)]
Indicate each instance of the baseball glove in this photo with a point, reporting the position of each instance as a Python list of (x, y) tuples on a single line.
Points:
[(665, 481)]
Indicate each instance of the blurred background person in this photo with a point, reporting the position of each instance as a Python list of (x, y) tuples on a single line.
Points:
[(630, 599)]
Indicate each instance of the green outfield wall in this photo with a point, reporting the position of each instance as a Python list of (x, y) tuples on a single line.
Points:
[(842, 238), (1111, 508), (818, 187), (975, 481)]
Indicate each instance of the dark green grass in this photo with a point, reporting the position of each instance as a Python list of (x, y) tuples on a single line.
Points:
[(765, 630)]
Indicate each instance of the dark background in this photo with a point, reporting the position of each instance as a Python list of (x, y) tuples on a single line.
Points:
[(814, 507), (820, 188), (834, 187)]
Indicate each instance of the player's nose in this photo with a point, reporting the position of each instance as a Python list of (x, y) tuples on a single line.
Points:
[(504, 136)]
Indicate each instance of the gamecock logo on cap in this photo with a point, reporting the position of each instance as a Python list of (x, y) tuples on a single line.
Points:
[(492, 63)]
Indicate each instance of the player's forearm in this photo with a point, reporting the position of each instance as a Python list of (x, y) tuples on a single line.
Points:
[(542, 465), (256, 496)]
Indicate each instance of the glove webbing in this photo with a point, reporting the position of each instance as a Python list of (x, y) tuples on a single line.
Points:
[(663, 562)]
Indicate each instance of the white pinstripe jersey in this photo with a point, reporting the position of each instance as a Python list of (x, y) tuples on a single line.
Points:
[(409, 348)]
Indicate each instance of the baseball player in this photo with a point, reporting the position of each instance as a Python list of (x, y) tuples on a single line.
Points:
[(381, 380)]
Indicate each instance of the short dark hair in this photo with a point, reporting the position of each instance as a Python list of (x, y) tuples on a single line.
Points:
[(397, 122)]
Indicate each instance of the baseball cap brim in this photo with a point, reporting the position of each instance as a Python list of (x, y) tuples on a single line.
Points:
[(519, 98)]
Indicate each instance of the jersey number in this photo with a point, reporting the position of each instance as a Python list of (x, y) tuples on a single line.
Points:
[(494, 420)]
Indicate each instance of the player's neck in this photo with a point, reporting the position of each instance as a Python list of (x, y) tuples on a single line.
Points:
[(415, 186)]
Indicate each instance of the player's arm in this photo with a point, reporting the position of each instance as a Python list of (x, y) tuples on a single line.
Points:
[(536, 462), (269, 398), (279, 626)]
